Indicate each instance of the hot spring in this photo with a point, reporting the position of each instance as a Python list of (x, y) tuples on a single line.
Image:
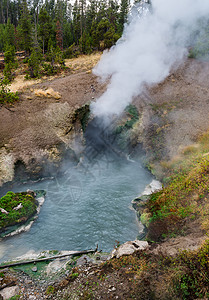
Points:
[(88, 204)]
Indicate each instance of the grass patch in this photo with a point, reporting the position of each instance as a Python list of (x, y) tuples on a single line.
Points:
[(83, 63), (123, 131), (12, 200), (186, 195)]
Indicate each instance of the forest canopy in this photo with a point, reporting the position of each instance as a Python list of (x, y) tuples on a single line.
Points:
[(88, 25)]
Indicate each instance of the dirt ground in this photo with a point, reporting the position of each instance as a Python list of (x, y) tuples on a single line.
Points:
[(25, 122), (178, 107)]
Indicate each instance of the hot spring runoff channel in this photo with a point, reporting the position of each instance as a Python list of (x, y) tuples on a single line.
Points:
[(90, 204)]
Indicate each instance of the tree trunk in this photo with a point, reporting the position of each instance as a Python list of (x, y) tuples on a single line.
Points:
[(43, 45), (2, 13)]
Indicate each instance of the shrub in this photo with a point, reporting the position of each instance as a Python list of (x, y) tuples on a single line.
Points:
[(6, 96)]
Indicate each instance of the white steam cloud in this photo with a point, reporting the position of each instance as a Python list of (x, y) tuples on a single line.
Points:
[(150, 46)]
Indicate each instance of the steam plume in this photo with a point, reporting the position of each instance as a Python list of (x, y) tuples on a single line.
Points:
[(150, 46)]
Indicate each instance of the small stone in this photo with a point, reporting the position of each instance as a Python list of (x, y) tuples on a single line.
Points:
[(34, 269), (18, 207), (4, 211), (28, 281), (31, 297)]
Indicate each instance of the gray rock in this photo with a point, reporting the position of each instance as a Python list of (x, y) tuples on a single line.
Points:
[(9, 292), (34, 269), (4, 211), (32, 297), (84, 259), (129, 248), (154, 186), (18, 207)]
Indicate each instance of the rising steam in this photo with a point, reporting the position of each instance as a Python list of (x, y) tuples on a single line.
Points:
[(152, 43)]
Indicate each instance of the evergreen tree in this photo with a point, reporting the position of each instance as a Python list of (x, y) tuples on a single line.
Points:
[(91, 13), (25, 29), (44, 28), (112, 13), (106, 34), (94, 35), (67, 34), (82, 4), (124, 9), (10, 62), (34, 62), (61, 9), (102, 10), (76, 22), (50, 8), (90, 25), (9, 33), (59, 35)]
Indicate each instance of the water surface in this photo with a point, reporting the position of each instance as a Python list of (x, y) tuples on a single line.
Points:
[(87, 205)]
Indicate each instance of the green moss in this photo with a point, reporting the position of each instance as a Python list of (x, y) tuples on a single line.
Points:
[(132, 112), (16, 297), (82, 114), (12, 200), (145, 219), (122, 132)]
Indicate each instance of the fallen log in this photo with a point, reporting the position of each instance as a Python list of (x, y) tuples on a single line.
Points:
[(74, 253)]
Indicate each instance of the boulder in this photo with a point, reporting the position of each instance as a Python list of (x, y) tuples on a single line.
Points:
[(129, 248), (9, 292)]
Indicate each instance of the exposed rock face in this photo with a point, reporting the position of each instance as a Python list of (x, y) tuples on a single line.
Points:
[(129, 248), (65, 132), (41, 130), (6, 165), (154, 186), (139, 203)]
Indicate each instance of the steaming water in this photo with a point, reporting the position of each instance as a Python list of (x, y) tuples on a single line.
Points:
[(84, 207)]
